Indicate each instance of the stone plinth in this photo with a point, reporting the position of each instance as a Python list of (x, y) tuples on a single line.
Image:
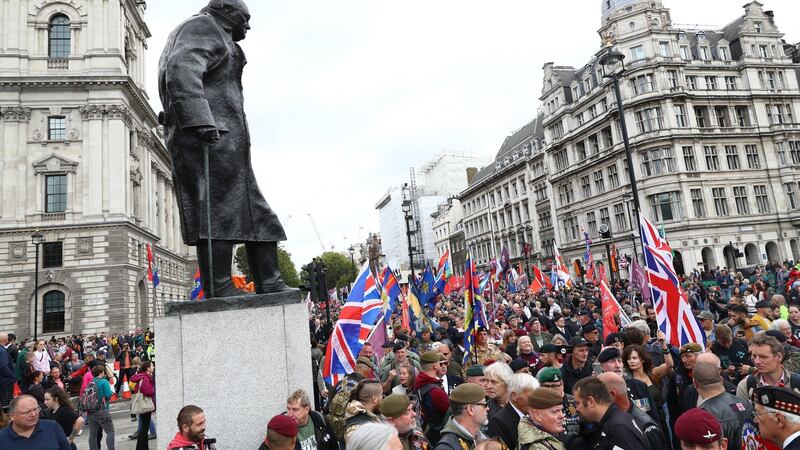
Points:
[(238, 360)]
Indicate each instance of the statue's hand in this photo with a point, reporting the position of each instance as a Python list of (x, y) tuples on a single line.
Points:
[(206, 133)]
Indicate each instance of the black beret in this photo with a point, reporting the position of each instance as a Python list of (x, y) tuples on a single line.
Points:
[(588, 328), (518, 364), (608, 354), (778, 398)]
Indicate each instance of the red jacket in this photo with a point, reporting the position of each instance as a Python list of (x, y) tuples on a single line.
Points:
[(145, 384), (438, 396)]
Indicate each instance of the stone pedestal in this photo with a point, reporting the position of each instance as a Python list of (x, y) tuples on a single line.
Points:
[(237, 358)]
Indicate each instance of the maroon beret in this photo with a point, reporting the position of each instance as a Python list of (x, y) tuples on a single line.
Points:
[(698, 426), (284, 425)]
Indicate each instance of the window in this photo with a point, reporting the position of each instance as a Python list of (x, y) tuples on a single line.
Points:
[(775, 114), (587, 85), (643, 83), (608, 141), (730, 83), (732, 157), (763, 51), (721, 113), (742, 116), (53, 309), (604, 218), (545, 220), (586, 187), (663, 47), (580, 151), (570, 229), (59, 37), (740, 198), (658, 161), (648, 119), (619, 216), (723, 53), (705, 54), (672, 78), (56, 128), (688, 159), (680, 116), (685, 53), (757, 26), (561, 159), (565, 196), (698, 204), (711, 83), (665, 206), (594, 145), (637, 53), (591, 221), (771, 80), (701, 115), (791, 194), (599, 183), (720, 201), (712, 159), (52, 254), (691, 82), (613, 177), (762, 201), (56, 193), (753, 160)]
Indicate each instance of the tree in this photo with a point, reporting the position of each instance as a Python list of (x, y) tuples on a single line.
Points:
[(285, 265), (338, 270)]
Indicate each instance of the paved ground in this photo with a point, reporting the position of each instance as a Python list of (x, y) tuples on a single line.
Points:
[(123, 427)]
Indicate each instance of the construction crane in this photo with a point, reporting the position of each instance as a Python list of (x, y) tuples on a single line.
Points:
[(313, 224)]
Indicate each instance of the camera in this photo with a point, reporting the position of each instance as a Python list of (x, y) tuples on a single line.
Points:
[(563, 349)]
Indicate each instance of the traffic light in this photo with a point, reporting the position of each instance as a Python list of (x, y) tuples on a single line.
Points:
[(310, 280), (322, 288)]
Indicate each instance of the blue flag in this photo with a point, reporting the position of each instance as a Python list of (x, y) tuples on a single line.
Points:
[(156, 281), (425, 293)]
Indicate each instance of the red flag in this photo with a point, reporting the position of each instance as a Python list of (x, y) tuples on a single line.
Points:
[(612, 260), (601, 272), (149, 263), (610, 309), (405, 320), (536, 286), (543, 280)]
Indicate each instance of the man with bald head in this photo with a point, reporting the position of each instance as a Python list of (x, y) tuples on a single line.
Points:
[(729, 409), (7, 378), (27, 431), (619, 391)]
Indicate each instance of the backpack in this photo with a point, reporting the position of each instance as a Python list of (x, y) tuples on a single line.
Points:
[(337, 408), (90, 400), (794, 384), (792, 363), (432, 421)]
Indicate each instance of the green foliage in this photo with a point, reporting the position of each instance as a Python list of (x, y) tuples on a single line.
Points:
[(339, 270), (285, 265)]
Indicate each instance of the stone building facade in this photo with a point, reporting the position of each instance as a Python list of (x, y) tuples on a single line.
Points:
[(83, 163), (714, 133)]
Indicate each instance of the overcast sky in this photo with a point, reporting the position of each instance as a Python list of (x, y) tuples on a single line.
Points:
[(343, 96)]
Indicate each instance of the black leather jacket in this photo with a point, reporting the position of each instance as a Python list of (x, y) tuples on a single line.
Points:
[(731, 412)]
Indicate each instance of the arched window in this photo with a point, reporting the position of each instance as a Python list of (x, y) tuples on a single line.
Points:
[(59, 36), (53, 319)]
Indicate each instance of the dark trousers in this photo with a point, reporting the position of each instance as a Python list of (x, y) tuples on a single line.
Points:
[(141, 441), (6, 395), (127, 373)]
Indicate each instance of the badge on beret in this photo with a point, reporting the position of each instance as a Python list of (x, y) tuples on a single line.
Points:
[(765, 399)]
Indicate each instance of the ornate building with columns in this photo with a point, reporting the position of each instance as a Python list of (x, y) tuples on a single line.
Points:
[(82, 162)]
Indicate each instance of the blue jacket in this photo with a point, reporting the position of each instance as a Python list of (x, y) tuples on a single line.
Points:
[(6, 367)]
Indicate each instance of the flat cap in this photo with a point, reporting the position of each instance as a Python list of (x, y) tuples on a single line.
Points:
[(395, 405), (691, 348), (547, 348), (364, 360), (778, 398), (549, 375), (608, 354), (475, 371), (467, 393), (517, 364), (705, 315), (698, 426), (588, 328), (429, 358), (577, 341), (543, 398), (284, 425)]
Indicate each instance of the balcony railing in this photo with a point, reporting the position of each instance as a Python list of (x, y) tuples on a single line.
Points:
[(51, 217), (58, 64)]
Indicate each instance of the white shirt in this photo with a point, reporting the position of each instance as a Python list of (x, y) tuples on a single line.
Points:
[(445, 386), (795, 435), (521, 415)]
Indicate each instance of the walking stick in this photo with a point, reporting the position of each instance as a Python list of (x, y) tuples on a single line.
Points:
[(208, 220)]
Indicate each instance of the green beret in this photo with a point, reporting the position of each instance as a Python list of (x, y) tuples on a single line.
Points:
[(691, 348), (365, 361), (429, 358), (547, 348), (395, 405), (467, 393), (543, 398), (475, 371), (549, 375)]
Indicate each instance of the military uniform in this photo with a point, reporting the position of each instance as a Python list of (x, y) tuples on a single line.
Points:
[(489, 352), (415, 440), (531, 437)]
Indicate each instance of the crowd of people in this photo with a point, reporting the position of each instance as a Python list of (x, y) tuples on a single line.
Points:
[(71, 382), (544, 375)]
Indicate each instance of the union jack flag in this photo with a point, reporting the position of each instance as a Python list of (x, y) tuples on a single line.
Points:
[(356, 320), (675, 317)]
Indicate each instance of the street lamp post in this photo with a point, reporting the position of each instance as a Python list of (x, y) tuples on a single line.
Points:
[(408, 216), (521, 233), (37, 239), (352, 251), (609, 60), (627, 199)]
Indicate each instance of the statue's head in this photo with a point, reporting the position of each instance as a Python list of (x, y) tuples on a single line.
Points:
[(235, 13)]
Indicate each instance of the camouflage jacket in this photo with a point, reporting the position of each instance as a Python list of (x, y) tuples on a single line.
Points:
[(532, 437), (489, 352)]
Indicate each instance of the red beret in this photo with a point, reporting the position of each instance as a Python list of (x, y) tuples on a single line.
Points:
[(284, 425), (698, 426)]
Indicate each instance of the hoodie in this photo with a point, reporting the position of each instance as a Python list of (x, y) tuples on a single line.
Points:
[(181, 442), (438, 397)]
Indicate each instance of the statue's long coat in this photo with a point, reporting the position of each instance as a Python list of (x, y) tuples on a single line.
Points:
[(200, 83)]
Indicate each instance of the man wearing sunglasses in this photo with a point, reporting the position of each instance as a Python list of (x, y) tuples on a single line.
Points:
[(469, 414)]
